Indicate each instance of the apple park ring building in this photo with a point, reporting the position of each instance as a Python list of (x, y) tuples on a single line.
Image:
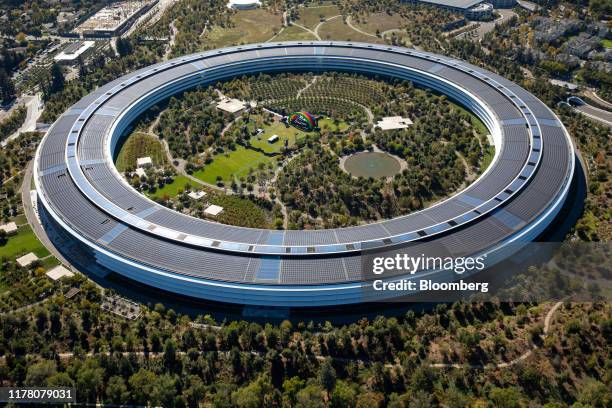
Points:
[(83, 194)]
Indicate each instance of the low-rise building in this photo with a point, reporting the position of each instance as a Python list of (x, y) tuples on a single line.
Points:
[(59, 272), (27, 259), (10, 228), (73, 51), (114, 19), (230, 105), (243, 4), (213, 210), (471, 9), (144, 162), (393, 122), (196, 195)]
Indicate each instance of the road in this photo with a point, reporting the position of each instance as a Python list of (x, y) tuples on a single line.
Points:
[(32, 217), (33, 105), (597, 114), (598, 100)]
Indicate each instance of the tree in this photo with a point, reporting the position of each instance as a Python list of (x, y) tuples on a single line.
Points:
[(7, 88), (89, 379), (310, 397), (38, 373), (57, 79), (116, 391), (327, 376), (170, 354), (142, 384), (506, 397), (344, 396), (164, 391), (291, 387), (195, 391), (124, 46)]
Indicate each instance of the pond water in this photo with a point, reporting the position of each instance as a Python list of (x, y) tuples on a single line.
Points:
[(372, 164)]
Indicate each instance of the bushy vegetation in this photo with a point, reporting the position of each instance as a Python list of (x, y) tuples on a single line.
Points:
[(165, 359), (139, 145), (10, 124), (191, 123)]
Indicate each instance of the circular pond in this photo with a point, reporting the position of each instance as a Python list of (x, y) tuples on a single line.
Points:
[(372, 164)]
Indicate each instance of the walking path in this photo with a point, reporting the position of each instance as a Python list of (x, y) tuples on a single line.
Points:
[(349, 23), (546, 330), (308, 29), (316, 30), (522, 357), (33, 105)]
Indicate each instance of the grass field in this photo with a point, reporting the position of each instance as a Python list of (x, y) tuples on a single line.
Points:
[(171, 189), (232, 164), (139, 145), (293, 33), (311, 16), (23, 242), (381, 22), (250, 26), (606, 43), (289, 133), (276, 128), (329, 124), (336, 30)]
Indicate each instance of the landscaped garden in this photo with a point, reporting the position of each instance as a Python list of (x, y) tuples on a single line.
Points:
[(266, 165)]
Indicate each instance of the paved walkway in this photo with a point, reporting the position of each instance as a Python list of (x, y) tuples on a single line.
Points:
[(33, 105), (349, 22)]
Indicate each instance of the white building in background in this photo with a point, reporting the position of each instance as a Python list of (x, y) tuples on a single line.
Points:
[(196, 195), (393, 122), (231, 105), (143, 162), (213, 210), (70, 54), (27, 259), (471, 9), (59, 272), (243, 4), (9, 228)]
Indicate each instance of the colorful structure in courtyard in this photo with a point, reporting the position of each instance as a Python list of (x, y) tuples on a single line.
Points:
[(303, 120)]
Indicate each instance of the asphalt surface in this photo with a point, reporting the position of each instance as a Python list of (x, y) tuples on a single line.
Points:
[(597, 114)]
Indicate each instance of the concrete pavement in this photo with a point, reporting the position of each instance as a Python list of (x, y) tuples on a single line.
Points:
[(33, 105), (597, 114)]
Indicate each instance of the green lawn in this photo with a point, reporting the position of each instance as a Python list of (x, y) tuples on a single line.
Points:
[(233, 163), (171, 189), (606, 43), (329, 123), (20, 219), (276, 128), (288, 133), (23, 242)]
